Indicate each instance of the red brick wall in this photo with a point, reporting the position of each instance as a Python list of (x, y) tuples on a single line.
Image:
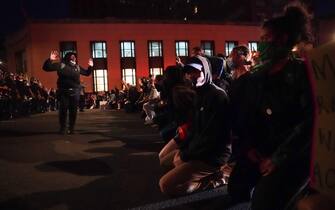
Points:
[(46, 37)]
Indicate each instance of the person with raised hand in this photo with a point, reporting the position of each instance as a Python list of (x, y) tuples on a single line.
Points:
[(68, 85)]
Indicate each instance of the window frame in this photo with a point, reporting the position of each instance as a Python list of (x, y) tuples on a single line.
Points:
[(151, 71), (132, 49), (250, 43), (177, 49), (212, 43), (150, 48), (133, 75), (227, 48), (96, 79), (104, 48)]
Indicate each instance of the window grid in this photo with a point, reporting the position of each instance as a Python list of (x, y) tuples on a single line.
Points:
[(253, 46), (127, 49), (100, 80), (229, 46), (99, 49), (182, 48), (156, 71), (208, 47), (129, 76), (155, 49)]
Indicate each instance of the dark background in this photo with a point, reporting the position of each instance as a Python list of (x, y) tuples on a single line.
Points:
[(15, 12)]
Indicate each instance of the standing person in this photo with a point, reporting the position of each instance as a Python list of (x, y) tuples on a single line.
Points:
[(206, 147), (277, 118), (68, 85)]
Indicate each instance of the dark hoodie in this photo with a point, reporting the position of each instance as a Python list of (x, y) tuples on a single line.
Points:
[(68, 73), (209, 138)]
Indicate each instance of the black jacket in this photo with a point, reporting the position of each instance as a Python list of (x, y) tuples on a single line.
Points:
[(210, 130), (277, 114), (68, 74), (209, 138)]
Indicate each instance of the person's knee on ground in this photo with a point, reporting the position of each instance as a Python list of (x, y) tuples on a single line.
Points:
[(169, 188), (186, 177)]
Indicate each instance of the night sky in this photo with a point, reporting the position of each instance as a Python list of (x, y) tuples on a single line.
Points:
[(14, 12)]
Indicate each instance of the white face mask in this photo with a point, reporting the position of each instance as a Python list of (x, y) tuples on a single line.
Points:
[(72, 62), (200, 80)]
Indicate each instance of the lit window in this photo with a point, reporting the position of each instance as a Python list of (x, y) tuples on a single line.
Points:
[(156, 71), (100, 80), (253, 46), (99, 49), (181, 48), (155, 49), (128, 49), (208, 47), (128, 75), (229, 46)]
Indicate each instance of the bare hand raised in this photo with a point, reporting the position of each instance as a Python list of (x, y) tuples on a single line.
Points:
[(90, 62), (54, 55)]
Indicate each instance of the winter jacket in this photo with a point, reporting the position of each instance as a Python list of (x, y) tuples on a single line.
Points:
[(68, 74), (209, 135)]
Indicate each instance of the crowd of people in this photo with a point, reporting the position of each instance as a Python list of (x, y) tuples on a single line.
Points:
[(22, 96), (245, 120)]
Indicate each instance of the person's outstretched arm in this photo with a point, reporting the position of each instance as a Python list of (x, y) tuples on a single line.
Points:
[(52, 63), (88, 71)]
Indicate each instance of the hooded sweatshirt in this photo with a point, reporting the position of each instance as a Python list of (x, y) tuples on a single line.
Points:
[(209, 138)]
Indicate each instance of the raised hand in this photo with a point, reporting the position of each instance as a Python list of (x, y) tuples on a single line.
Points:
[(54, 55), (90, 62), (178, 60)]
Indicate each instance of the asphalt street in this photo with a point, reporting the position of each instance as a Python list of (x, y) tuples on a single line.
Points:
[(110, 163)]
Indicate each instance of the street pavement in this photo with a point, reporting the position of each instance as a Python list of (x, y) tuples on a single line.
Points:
[(110, 163)]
